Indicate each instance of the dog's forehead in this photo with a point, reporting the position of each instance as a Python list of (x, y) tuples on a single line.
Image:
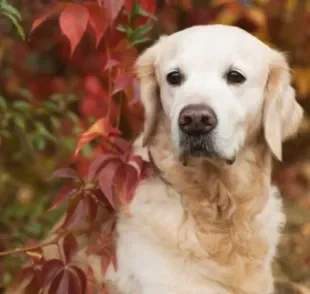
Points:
[(213, 44)]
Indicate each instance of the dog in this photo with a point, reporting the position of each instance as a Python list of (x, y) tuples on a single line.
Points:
[(218, 106)]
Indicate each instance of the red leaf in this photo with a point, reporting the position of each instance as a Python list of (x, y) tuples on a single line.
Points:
[(24, 278), (66, 192), (70, 247), (98, 163), (122, 81), (132, 182), (92, 208), (122, 144), (129, 5), (50, 270), (138, 162), (113, 258), (148, 5), (82, 278), (66, 281), (51, 11), (106, 178), (98, 22), (76, 212), (34, 286), (68, 173), (101, 127), (125, 183), (113, 8), (73, 23), (110, 64), (147, 170)]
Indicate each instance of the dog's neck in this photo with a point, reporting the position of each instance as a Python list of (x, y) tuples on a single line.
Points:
[(221, 198)]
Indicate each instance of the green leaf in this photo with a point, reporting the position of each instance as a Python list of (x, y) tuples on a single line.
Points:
[(43, 132), (5, 7), (16, 23), (40, 143), (56, 97), (34, 228), (134, 12), (51, 106), (141, 41), (140, 31), (73, 116), (87, 150), (20, 123), (5, 134), (25, 93), (145, 13), (123, 28), (55, 122), (77, 130), (69, 143), (21, 105), (3, 104), (143, 29)]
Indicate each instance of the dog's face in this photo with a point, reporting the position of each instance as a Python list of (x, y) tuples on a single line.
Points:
[(219, 86)]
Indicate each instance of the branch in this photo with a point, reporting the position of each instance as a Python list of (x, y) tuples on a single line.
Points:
[(30, 248)]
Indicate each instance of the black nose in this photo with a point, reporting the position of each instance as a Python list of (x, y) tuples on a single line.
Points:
[(197, 119)]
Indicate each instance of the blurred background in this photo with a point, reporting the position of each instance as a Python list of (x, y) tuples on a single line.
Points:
[(48, 98)]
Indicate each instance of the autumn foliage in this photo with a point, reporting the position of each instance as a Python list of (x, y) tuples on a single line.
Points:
[(111, 178), (101, 39)]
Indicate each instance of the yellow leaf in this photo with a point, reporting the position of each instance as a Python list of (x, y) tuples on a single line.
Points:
[(290, 5), (301, 77), (262, 2), (227, 17), (222, 2), (257, 15)]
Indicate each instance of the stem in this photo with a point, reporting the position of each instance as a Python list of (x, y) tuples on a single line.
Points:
[(61, 253), (30, 248), (109, 79), (119, 115)]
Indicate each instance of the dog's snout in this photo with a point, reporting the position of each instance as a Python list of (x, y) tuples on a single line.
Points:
[(197, 119)]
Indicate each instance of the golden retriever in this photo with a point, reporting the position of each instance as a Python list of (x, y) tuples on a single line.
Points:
[(218, 105)]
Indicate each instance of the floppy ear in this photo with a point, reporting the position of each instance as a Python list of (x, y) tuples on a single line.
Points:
[(282, 114), (145, 70)]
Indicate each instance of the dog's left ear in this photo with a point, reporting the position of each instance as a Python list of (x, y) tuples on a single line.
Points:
[(145, 70), (282, 114)]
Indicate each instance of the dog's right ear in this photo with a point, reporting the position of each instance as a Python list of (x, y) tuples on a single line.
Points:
[(282, 113), (145, 70)]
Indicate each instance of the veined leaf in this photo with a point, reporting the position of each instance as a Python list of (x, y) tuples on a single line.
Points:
[(73, 23)]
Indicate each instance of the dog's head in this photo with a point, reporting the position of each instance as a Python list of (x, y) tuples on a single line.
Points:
[(220, 87)]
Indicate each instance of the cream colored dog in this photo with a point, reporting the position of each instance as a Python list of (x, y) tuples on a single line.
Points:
[(218, 104)]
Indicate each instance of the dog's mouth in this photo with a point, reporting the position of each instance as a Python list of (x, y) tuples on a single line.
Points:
[(201, 146)]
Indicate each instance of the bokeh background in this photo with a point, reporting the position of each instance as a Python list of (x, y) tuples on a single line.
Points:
[(48, 98)]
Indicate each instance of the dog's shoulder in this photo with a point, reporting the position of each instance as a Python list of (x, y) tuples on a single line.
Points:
[(270, 222)]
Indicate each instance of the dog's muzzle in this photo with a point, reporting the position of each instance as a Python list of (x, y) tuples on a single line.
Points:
[(196, 124), (197, 120)]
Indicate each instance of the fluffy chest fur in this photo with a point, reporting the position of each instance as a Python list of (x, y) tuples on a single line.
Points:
[(159, 251), (202, 232)]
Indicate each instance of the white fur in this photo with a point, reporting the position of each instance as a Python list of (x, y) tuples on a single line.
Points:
[(204, 54), (149, 265), (156, 241)]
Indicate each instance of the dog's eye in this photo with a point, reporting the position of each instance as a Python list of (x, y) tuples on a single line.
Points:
[(235, 77), (174, 78)]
